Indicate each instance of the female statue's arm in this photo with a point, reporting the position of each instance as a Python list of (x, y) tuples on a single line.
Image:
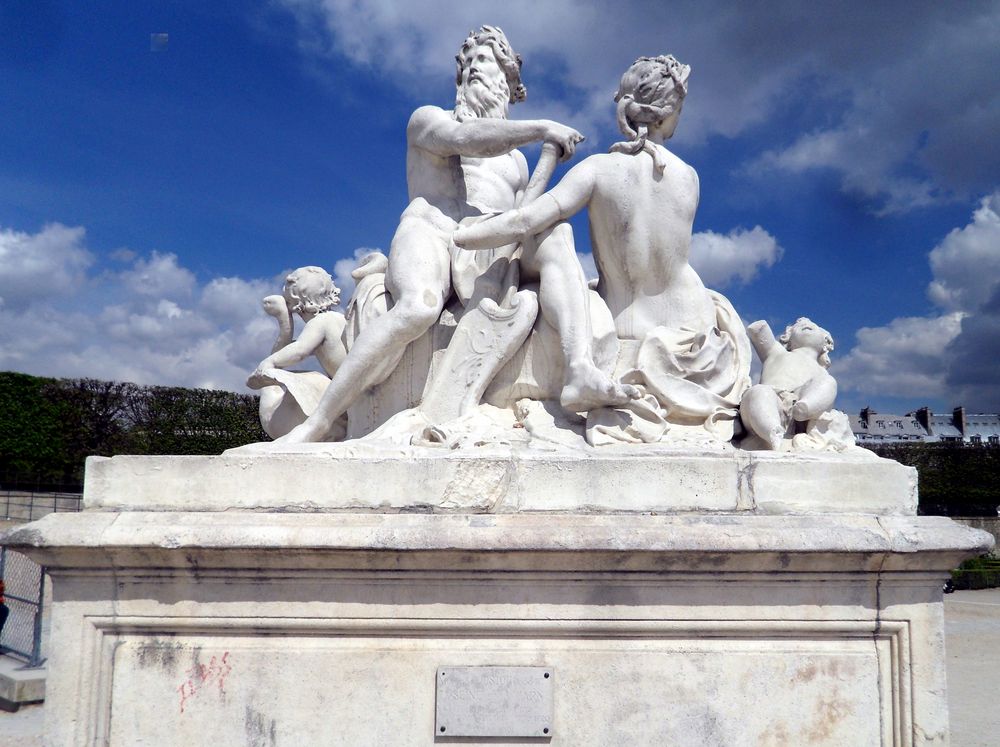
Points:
[(567, 198)]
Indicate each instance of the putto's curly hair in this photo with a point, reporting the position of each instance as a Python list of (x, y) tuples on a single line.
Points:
[(786, 338), (651, 90), (507, 58), (310, 290)]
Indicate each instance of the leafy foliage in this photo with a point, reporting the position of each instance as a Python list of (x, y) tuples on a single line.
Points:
[(49, 426), (977, 573), (31, 432), (954, 479)]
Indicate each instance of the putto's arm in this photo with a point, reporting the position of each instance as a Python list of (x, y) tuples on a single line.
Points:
[(311, 338), (762, 338), (816, 397), (434, 130), (566, 199)]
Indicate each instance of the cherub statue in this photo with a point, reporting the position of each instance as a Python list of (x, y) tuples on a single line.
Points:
[(795, 386), (287, 398)]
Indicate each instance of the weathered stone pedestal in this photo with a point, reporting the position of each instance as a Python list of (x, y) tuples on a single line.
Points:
[(323, 618)]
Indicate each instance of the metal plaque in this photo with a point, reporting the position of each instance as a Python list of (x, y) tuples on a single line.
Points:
[(494, 702)]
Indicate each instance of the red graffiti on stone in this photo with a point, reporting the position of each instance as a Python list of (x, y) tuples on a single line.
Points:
[(201, 676)]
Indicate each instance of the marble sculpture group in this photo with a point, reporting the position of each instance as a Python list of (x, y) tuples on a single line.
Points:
[(480, 326)]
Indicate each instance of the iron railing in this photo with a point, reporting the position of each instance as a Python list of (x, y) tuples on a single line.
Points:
[(30, 505)]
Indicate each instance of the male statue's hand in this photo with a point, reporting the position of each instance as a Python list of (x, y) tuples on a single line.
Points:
[(565, 137)]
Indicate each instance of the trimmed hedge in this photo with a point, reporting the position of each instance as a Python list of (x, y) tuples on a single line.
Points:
[(954, 479), (978, 573), (49, 426)]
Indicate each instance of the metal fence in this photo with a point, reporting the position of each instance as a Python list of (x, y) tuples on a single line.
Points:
[(24, 580), (29, 497), (29, 505), (24, 592)]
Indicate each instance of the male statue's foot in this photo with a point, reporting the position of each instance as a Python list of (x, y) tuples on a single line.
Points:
[(589, 388)]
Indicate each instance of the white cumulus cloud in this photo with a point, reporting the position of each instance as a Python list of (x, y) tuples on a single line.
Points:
[(151, 322), (906, 130), (159, 276), (342, 269), (904, 358), (966, 263), (37, 268), (739, 255), (954, 354)]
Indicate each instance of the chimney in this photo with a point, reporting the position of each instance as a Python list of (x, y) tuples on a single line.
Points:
[(923, 416), (866, 414), (958, 418)]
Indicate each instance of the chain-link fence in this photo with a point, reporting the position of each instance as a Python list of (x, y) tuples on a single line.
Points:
[(24, 590), (24, 580)]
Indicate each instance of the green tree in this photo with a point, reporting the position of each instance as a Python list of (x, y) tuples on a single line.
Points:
[(48, 427), (954, 479), (32, 431)]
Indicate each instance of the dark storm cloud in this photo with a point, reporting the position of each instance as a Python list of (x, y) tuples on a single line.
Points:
[(973, 359)]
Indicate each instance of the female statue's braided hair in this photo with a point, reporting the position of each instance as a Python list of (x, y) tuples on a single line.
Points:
[(651, 90)]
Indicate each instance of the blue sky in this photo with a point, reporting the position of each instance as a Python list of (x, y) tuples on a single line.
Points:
[(149, 199)]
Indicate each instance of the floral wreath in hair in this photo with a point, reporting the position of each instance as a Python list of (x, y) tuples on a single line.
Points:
[(645, 113), (509, 60)]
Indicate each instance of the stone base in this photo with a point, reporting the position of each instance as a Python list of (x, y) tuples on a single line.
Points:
[(20, 685), (236, 628), (365, 477)]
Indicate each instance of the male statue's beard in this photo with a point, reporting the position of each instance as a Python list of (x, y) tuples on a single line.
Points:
[(481, 101)]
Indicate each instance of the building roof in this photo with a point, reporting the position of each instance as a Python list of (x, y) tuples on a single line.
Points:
[(888, 427), (943, 426), (879, 426), (983, 426)]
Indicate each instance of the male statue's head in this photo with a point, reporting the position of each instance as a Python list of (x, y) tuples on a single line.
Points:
[(649, 98), (488, 76), (310, 291), (804, 333)]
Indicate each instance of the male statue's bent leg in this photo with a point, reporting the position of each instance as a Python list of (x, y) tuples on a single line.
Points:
[(418, 279)]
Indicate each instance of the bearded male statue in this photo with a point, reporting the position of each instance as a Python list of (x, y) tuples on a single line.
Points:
[(459, 164)]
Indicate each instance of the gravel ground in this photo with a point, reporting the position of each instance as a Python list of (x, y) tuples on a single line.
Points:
[(972, 640), (972, 630), (23, 728)]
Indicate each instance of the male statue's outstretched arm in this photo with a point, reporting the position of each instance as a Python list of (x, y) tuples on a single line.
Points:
[(436, 131)]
